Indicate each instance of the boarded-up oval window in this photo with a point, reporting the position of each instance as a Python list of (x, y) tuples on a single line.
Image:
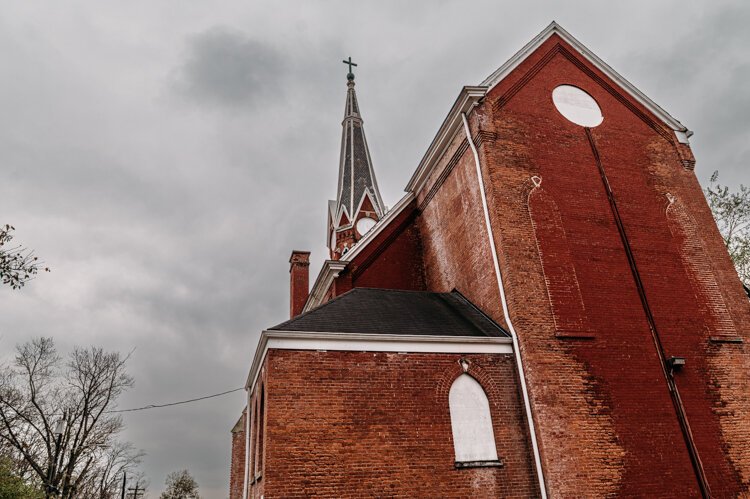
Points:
[(577, 106), (473, 438)]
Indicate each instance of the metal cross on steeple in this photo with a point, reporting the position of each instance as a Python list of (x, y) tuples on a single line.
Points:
[(350, 76)]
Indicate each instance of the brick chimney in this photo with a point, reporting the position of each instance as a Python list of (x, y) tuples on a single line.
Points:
[(299, 281)]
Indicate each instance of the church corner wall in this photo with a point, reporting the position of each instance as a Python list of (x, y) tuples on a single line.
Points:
[(237, 462), (392, 260), (606, 422), (362, 424), (455, 250)]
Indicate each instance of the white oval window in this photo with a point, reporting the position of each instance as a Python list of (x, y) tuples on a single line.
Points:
[(365, 224), (577, 106)]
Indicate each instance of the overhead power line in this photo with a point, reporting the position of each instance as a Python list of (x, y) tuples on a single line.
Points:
[(157, 406)]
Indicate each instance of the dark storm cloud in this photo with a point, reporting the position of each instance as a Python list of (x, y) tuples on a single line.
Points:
[(225, 66)]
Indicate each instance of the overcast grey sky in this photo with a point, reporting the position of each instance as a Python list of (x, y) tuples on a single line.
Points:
[(164, 158)]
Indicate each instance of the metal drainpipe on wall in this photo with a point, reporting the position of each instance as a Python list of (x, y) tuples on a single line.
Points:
[(246, 479), (506, 314)]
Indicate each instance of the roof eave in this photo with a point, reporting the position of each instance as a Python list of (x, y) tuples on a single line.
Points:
[(395, 342), (466, 100), (378, 228), (329, 271), (555, 28)]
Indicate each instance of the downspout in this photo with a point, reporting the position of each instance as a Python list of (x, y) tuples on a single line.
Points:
[(246, 484), (506, 314), (668, 371)]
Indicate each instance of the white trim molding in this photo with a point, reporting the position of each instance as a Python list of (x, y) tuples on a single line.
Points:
[(466, 100), (378, 228), (349, 342), (332, 268), (556, 29), (470, 96), (329, 271)]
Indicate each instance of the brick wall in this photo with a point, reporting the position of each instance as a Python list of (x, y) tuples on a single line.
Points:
[(364, 424), (299, 281), (606, 421), (454, 238), (392, 260), (237, 463)]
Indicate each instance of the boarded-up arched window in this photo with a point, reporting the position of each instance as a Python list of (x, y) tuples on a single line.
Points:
[(473, 438)]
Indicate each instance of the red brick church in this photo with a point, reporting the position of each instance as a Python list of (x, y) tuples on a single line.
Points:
[(548, 311)]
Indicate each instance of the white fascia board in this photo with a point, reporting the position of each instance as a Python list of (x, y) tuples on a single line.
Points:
[(342, 211), (327, 274), (367, 194), (331, 220), (378, 228), (332, 268), (555, 28), (348, 342), (466, 100)]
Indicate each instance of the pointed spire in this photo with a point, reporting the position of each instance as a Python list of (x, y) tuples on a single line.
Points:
[(358, 195)]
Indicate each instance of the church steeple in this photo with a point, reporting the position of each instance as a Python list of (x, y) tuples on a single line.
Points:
[(358, 205)]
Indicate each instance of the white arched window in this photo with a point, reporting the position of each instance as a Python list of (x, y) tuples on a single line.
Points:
[(473, 438)]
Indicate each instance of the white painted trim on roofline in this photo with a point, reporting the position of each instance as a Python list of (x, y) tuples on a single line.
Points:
[(366, 194), (471, 95), (555, 28), (348, 342), (466, 100), (380, 207), (332, 268), (378, 228), (327, 274)]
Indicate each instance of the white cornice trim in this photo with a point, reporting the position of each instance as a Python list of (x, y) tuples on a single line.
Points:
[(466, 100), (471, 95), (377, 228), (327, 274), (348, 342), (332, 268), (366, 194), (555, 28)]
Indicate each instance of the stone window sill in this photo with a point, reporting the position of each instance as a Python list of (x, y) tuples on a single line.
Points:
[(495, 463)]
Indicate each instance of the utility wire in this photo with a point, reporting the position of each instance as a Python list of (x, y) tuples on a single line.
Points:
[(157, 406)]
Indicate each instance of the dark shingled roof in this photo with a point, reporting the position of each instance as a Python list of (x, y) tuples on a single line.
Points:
[(387, 311)]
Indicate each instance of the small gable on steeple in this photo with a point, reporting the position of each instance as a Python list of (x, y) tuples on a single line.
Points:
[(357, 195)]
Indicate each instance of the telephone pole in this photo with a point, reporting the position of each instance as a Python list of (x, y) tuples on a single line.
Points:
[(136, 492)]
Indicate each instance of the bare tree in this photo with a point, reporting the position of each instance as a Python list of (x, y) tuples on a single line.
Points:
[(18, 265), (180, 485), (106, 480), (55, 417), (731, 211)]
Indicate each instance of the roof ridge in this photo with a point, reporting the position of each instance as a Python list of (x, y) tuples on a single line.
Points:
[(447, 299), (462, 297)]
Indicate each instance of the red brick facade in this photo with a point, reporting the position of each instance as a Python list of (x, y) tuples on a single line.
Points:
[(366, 424), (611, 386), (237, 467), (299, 281), (612, 263)]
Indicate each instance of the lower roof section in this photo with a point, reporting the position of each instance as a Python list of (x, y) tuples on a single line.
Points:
[(395, 312)]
